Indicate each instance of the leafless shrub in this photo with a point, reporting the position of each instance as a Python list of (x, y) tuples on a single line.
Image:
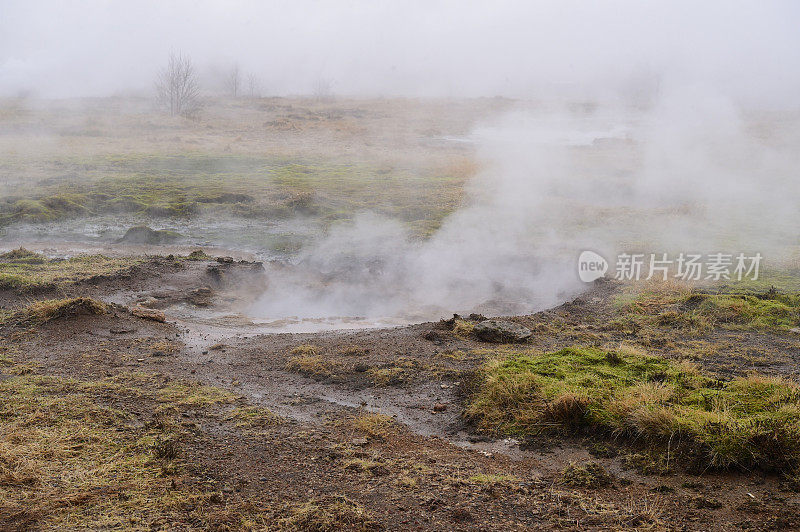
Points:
[(253, 86), (233, 82), (323, 90), (177, 89)]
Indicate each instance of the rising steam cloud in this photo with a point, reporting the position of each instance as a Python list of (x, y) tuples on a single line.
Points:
[(694, 173)]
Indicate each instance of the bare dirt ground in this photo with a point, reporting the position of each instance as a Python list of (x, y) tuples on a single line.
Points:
[(367, 433)]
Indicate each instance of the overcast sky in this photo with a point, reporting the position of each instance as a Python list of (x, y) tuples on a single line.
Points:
[(750, 50)]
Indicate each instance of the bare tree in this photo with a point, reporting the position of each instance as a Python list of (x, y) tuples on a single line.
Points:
[(323, 89), (253, 86), (177, 89), (234, 81)]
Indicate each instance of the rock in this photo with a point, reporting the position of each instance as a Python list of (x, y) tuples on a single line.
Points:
[(499, 331), (434, 336), (200, 297), (148, 302), (141, 234), (359, 442), (149, 314), (439, 407), (225, 260)]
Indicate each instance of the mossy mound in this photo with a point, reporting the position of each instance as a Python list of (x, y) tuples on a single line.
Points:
[(741, 423), (65, 308)]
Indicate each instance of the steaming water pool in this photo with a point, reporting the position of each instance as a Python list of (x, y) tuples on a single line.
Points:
[(245, 238)]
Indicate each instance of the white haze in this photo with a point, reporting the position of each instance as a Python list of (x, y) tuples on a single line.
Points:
[(426, 48), (693, 174), (692, 146)]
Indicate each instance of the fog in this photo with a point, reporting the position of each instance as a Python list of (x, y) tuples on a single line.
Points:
[(440, 48), (684, 140), (690, 175)]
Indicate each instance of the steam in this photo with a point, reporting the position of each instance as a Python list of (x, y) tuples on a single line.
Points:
[(695, 173), (442, 48)]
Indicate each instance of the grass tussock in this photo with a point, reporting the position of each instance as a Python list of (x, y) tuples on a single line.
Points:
[(193, 394), (588, 475), (374, 425), (742, 423), (679, 306), (329, 514), (24, 270), (52, 309), (314, 366), (305, 350), (463, 328)]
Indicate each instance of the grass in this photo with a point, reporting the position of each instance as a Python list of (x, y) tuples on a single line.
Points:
[(311, 366), (329, 514), (388, 376), (27, 271), (254, 417), (588, 475), (742, 423), (374, 425), (186, 185), (193, 394), (306, 350), (493, 480), (74, 452), (674, 305), (51, 309)]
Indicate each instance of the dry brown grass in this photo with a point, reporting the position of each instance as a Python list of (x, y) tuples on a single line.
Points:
[(305, 350), (66, 461), (311, 366), (329, 514), (52, 309), (374, 425)]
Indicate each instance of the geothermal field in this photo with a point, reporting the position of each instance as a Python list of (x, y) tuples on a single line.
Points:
[(358, 285)]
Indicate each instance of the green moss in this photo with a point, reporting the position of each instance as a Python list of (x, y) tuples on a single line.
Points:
[(682, 307), (742, 423), (254, 187)]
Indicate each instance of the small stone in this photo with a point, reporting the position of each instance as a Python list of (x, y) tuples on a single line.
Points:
[(149, 314), (500, 331), (148, 302), (439, 407), (359, 442)]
